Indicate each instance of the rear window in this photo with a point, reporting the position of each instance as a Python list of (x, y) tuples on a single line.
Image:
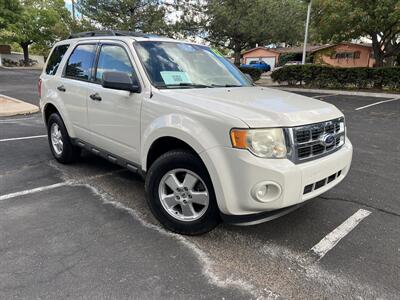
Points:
[(80, 63), (55, 59)]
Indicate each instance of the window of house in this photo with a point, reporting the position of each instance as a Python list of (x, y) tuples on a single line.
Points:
[(80, 63), (55, 59), (113, 58), (346, 55)]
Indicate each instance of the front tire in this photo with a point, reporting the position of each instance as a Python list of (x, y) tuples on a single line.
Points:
[(60, 143), (180, 193)]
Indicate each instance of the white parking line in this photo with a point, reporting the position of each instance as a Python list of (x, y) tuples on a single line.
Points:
[(23, 138), (15, 120), (376, 103), (331, 240), (57, 185), (32, 191)]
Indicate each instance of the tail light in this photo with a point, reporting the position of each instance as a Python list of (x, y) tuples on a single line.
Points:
[(39, 86)]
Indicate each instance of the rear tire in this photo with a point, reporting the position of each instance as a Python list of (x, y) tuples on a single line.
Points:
[(60, 143), (180, 193)]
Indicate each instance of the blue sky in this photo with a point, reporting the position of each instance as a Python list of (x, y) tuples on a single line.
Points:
[(68, 5)]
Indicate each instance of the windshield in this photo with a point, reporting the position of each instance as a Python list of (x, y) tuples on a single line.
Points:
[(181, 65)]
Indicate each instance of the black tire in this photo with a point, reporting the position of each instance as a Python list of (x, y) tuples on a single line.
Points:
[(70, 153), (180, 159)]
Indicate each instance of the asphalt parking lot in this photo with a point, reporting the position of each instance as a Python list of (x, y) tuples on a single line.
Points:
[(84, 230), (20, 84)]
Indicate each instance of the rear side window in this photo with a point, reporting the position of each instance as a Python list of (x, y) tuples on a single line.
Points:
[(55, 59), (80, 63)]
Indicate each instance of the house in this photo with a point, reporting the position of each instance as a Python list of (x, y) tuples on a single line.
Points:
[(271, 55), (349, 55), (338, 55)]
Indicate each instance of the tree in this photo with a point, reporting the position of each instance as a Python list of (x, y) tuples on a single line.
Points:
[(133, 15), (378, 20), (39, 22), (240, 24), (9, 10)]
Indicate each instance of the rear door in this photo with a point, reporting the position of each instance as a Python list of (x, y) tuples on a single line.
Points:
[(114, 115), (51, 78), (74, 86)]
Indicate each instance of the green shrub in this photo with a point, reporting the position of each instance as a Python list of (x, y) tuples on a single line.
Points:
[(330, 77), (254, 73)]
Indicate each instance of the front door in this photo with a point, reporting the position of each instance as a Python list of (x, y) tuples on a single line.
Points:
[(114, 115)]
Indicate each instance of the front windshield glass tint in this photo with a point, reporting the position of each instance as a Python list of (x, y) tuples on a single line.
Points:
[(181, 65)]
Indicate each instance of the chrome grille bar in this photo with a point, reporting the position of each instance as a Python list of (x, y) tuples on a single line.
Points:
[(313, 141)]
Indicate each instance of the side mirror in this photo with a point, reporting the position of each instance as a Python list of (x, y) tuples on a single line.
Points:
[(249, 78), (119, 81)]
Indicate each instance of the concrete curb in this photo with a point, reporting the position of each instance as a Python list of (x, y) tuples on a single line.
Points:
[(11, 107), (338, 92)]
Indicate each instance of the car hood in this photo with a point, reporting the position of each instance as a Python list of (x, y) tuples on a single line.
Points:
[(258, 106)]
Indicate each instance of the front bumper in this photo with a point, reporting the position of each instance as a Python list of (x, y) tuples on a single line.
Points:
[(234, 174)]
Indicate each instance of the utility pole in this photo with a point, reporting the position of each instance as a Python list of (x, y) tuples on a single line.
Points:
[(306, 33), (73, 9)]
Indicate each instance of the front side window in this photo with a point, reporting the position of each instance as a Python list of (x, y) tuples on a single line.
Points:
[(113, 58), (80, 63), (181, 65), (55, 59)]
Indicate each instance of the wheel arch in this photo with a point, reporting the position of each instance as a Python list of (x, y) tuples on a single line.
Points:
[(181, 131), (50, 108), (164, 144)]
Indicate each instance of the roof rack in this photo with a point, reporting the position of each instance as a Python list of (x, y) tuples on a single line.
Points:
[(111, 33)]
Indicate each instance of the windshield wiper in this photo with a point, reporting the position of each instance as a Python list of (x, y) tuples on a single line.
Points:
[(188, 84), (226, 85)]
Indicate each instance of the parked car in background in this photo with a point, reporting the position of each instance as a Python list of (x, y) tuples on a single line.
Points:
[(292, 63), (259, 64), (289, 63)]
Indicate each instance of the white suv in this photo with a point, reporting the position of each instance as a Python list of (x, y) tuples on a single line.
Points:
[(209, 143)]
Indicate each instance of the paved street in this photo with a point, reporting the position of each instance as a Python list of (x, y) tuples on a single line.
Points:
[(84, 230), (20, 84)]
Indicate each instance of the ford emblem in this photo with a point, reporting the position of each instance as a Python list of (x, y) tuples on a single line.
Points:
[(328, 139)]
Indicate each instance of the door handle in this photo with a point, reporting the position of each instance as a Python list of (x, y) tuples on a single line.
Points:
[(95, 97), (61, 88)]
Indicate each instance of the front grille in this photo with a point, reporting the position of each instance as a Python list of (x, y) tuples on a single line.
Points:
[(316, 140), (319, 184)]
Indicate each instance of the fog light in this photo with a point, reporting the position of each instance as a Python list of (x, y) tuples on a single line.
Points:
[(262, 191), (266, 191)]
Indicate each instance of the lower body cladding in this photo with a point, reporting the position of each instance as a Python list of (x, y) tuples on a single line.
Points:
[(252, 190)]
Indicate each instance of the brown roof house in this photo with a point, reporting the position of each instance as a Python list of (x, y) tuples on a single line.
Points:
[(269, 55), (348, 55), (338, 55)]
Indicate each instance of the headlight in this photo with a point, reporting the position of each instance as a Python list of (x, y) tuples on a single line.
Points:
[(267, 143)]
